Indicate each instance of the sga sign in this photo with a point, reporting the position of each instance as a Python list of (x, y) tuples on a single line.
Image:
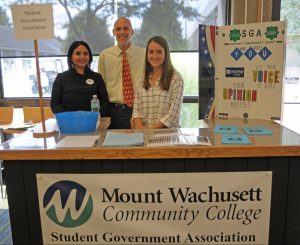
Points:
[(249, 70), (160, 208)]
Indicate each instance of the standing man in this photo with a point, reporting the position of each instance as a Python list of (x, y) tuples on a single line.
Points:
[(121, 67)]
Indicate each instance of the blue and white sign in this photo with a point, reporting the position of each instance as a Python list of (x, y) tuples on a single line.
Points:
[(161, 208)]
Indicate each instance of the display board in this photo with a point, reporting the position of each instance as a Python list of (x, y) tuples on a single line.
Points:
[(33, 21), (249, 70)]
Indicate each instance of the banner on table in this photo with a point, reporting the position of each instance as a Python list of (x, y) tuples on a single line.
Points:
[(160, 208), (249, 70)]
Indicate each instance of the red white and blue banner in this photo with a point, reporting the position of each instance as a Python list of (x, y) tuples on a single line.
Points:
[(207, 35)]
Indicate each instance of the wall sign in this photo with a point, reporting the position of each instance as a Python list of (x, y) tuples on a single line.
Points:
[(160, 208)]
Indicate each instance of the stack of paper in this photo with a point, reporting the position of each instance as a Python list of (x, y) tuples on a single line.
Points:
[(123, 139), (78, 141)]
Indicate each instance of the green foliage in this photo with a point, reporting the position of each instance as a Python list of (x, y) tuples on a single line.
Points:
[(132, 8), (290, 9), (187, 65), (96, 34), (161, 18), (4, 20), (189, 115), (89, 24)]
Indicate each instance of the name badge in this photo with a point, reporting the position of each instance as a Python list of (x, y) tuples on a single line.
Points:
[(89, 81)]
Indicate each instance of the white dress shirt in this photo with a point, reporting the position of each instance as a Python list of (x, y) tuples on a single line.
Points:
[(110, 67)]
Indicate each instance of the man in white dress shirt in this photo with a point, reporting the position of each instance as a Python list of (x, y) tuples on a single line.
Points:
[(110, 67)]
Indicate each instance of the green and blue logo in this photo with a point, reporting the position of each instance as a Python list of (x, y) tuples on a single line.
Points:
[(68, 204)]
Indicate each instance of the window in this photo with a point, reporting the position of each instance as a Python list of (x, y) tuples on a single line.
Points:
[(290, 10), (176, 20)]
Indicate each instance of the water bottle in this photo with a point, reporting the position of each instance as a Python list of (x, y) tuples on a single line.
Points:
[(95, 106)]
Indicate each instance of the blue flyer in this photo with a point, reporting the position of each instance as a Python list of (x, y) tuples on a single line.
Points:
[(226, 129), (257, 130), (235, 139)]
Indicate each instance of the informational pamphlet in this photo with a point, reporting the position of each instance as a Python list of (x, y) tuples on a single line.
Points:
[(235, 139), (226, 129), (167, 137)]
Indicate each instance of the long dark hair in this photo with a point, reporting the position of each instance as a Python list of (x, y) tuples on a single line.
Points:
[(168, 68), (74, 46)]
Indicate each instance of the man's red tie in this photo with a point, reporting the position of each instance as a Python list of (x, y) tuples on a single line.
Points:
[(127, 83)]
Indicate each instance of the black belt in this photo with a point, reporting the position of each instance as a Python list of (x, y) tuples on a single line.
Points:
[(119, 106)]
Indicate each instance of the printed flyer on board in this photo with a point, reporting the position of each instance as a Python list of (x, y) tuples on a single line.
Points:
[(155, 208), (249, 70)]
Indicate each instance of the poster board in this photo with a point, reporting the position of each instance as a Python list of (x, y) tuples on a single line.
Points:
[(155, 208), (249, 70), (33, 21)]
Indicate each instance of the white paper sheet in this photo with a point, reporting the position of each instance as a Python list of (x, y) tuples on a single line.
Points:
[(78, 141)]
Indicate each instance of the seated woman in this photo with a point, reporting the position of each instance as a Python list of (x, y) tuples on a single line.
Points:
[(73, 89), (158, 99)]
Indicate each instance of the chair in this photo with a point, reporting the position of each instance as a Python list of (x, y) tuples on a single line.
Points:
[(6, 115), (33, 114)]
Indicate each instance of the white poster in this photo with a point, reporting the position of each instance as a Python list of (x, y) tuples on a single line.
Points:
[(33, 21), (249, 70), (161, 208)]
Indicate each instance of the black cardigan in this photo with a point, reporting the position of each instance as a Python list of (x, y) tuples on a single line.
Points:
[(72, 91)]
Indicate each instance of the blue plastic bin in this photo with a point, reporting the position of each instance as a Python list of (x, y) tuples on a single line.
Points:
[(76, 122)]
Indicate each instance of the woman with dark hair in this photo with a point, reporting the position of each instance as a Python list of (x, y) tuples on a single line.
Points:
[(158, 100), (73, 89)]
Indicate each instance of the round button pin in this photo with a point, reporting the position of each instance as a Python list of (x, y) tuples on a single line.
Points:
[(89, 81)]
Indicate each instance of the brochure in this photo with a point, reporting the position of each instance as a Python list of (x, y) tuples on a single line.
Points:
[(257, 130), (228, 129), (235, 139)]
